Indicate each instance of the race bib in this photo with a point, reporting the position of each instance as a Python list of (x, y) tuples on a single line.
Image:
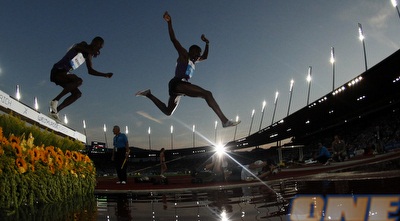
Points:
[(77, 61), (190, 69)]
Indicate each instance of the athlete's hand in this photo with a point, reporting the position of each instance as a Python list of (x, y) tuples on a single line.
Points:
[(108, 75), (203, 38), (167, 17)]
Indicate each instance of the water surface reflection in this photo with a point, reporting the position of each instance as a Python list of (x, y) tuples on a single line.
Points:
[(247, 202), (250, 201)]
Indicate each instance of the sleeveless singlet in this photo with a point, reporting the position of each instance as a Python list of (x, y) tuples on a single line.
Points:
[(184, 70), (71, 60)]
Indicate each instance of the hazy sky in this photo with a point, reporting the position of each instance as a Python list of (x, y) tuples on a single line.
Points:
[(256, 48)]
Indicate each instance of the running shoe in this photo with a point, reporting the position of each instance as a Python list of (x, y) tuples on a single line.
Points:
[(53, 106), (55, 117), (123, 182), (143, 93), (230, 123)]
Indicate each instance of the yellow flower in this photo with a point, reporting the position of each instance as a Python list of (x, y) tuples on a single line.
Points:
[(59, 151), (4, 141), (44, 156), (17, 149), (76, 156), (21, 165), (87, 159), (14, 139), (59, 161), (30, 141), (74, 173), (50, 149), (37, 153), (68, 154)]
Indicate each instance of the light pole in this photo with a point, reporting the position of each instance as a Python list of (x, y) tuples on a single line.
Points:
[(309, 84), (172, 137), (290, 96), (84, 129), (264, 103), (333, 67), (35, 103), (17, 92), (234, 135), (252, 118), (194, 129), (215, 129), (394, 3), (361, 37), (105, 134), (275, 104), (65, 119), (149, 131)]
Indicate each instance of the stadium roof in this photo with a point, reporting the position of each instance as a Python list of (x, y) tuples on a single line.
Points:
[(375, 90)]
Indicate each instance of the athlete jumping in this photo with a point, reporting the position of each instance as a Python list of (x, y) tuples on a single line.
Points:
[(179, 85), (61, 75)]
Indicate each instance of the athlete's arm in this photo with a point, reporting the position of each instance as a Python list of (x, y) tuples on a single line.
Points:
[(181, 51), (92, 71), (205, 53)]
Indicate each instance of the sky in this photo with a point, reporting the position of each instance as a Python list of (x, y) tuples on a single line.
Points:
[(256, 49)]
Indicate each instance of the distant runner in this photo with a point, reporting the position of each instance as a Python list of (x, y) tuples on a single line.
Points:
[(179, 85), (61, 73)]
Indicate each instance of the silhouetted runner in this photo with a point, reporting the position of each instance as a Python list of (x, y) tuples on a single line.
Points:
[(61, 73), (179, 85)]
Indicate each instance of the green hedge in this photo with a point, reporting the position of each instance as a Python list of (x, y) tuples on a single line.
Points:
[(14, 125), (37, 166)]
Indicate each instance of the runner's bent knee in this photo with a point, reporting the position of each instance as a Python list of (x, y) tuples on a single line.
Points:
[(76, 93)]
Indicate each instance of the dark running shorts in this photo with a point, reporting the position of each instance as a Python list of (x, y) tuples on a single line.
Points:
[(53, 75), (63, 78), (172, 85)]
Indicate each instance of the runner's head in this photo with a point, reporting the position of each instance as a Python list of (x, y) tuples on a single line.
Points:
[(97, 44), (194, 52)]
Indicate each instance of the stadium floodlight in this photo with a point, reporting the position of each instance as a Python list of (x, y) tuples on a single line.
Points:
[(17, 92), (194, 134), (84, 129), (149, 131), (394, 3), (290, 96), (172, 137), (309, 84), (362, 39), (65, 119), (275, 104), (264, 103), (105, 134), (332, 60), (35, 103), (219, 149)]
